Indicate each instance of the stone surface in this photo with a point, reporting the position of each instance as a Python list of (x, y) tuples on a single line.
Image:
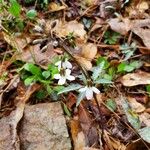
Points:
[(44, 128)]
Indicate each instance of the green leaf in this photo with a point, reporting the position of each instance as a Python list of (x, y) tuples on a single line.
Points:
[(46, 74), (136, 64), (49, 89), (97, 70), (145, 134), (131, 115), (14, 8), (53, 69), (87, 22), (111, 104), (31, 14), (41, 94), (67, 110), (100, 60), (69, 88), (58, 88), (80, 98), (148, 88), (103, 81), (128, 50), (29, 80), (32, 69), (128, 68)]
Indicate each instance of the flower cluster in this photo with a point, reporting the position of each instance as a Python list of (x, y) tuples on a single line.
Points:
[(64, 69)]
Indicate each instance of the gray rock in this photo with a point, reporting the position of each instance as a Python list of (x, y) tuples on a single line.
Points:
[(44, 128)]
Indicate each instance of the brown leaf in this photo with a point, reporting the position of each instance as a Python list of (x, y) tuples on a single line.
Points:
[(88, 128), (144, 34), (88, 52), (52, 7), (145, 118), (136, 106), (64, 28), (133, 79), (136, 26), (33, 54)]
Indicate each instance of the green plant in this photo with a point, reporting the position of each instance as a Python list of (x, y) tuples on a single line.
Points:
[(15, 8), (71, 39), (128, 50), (31, 73), (103, 73), (148, 89), (31, 14), (129, 67), (111, 37)]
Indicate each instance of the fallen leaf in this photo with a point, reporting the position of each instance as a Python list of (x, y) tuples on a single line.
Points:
[(143, 6), (33, 54), (144, 34), (145, 118), (80, 141), (88, 52), (136, 106), (88, 128), (133, 79), (113, 143), (137, 26), (63, 29), (52, 7)]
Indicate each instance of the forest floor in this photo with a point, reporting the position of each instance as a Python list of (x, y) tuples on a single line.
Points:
[(75, 74)]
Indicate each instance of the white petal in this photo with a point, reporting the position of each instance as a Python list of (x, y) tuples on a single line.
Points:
[(89, 93), (57, 76), (67, 72), (67, 64), (62, 81), (95, 90), (58, 64), (71, 78), (83, 89)]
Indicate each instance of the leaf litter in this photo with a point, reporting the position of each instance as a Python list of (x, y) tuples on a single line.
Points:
[(107, 45)]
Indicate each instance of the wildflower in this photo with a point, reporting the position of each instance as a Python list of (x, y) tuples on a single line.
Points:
[(65, 65), (89, 91), (63, 77)]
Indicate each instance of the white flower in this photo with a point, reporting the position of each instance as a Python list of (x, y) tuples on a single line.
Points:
[(89, 91), (62, 78), (65, 65)]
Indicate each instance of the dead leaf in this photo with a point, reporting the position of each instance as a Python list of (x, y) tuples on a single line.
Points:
[(145, 118), (113, 143), (133, 79), (33, 54), (136, 106), (137, 26), (80, 141), (120, 26), (144, 34), (52, 7), (143, 6), (64, 28), (17, 41), (88, 128), (89, 51)]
